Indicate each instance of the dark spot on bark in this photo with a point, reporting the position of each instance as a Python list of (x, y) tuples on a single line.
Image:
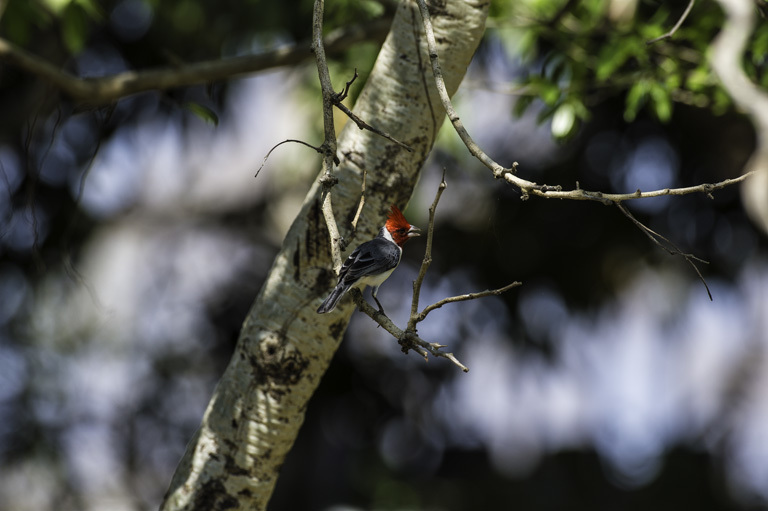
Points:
[(230, 445), (316, 242), (213, 495), (324, 281), (278, 363), (233, 423), (245, 492), (297, 261), (233, 468), (337, 328)]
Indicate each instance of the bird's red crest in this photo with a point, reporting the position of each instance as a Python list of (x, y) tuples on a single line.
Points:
[(396, 220)]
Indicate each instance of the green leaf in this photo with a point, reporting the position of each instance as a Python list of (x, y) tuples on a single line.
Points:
[(661, 102), (548, 91), (636, 98), (74, 27), (203, 112), (564, 121), (613, 55), (521, 105)]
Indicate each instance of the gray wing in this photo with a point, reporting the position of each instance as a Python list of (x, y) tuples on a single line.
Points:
[(370, 258)]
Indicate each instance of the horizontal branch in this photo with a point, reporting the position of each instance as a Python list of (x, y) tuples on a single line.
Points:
[(556, 192), (465, 297), (107, 89)]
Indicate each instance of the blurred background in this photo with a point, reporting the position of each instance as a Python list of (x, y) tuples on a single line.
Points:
[(134, 238)]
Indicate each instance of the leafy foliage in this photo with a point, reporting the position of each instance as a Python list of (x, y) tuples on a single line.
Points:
[(577, 54)]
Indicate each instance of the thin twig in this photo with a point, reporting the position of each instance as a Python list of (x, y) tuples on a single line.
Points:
[(427, 256), (670, 249), (677, 25), (341, 96), (408, 340), (317, 149), (360, 204), (465, 297)]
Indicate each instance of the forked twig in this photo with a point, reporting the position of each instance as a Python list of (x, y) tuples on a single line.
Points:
[(341, 96), (670, 248), (408, 340)]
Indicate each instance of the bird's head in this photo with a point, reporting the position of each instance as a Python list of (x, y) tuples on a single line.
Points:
[(399, 227)]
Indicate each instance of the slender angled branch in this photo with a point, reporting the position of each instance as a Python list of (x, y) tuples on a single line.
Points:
[(328, 180), (103, 90), (677, 25), (427, 255)]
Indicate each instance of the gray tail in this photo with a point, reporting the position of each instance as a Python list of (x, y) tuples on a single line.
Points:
[(330, 303)]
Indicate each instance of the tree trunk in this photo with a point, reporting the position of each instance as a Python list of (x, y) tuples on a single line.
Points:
[(285, 347)]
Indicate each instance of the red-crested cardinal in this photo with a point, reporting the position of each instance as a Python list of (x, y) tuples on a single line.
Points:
[(373, 261)]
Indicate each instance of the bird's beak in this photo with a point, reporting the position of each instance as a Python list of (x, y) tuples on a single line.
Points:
[(414, 231)]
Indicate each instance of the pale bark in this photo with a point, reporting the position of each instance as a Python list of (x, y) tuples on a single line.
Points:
[(726, 56), (285, 346)]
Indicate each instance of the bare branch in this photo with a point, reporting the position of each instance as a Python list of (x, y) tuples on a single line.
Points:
[(317, 149), (427, 256), (677, 25), (328, 180), (408, 340), (465, 297), (670, 247), (103, 90)]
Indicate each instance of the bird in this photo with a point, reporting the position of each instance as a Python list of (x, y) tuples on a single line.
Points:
[(372, 262)]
